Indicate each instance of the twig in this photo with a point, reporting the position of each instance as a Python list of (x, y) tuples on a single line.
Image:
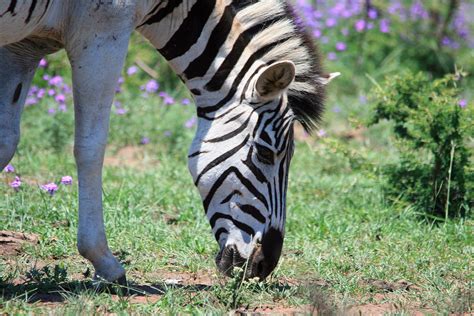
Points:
[(152, 73), (449, 180)]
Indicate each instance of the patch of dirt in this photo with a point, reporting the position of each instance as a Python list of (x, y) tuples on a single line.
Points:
[(401, 285), (131, 157), (11, 243)]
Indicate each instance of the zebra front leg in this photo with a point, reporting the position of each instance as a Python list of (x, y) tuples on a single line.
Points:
[(96, 68), (16, 73)]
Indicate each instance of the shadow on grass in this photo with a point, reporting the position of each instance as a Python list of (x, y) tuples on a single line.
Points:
[(50, 292)]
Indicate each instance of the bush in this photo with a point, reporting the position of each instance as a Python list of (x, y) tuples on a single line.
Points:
[(432, 127)]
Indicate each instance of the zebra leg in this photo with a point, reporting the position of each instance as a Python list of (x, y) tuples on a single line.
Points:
[(95, 72), (16, 73)]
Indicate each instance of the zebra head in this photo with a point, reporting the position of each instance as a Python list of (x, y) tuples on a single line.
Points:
[(239, 161)]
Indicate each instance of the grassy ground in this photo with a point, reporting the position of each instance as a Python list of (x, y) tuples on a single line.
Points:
[(346, 247)]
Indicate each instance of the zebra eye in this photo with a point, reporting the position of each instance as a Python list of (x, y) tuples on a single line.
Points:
[(265, 155)]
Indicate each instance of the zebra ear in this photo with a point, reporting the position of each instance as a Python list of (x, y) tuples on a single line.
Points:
[(275, 79)]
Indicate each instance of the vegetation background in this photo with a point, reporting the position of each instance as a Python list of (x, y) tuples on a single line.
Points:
[(351, 245)]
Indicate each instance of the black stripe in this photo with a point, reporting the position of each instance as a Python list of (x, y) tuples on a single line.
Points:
[(231, 60), (249, 230), (189, 31), (197, 153), (199, 66), (252, 211), (234, 118), (161, 14), (231, 134), (248, 185), (30, 11), (202, 111), (45, 9), (17, 93), (230, 196), (221, 159), (254, 169), (11, 9), (219, 232)]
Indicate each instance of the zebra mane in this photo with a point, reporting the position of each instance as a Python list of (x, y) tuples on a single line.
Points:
[(306, 94)]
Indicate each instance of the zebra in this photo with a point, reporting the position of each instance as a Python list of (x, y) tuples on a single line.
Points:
[(252, 71)]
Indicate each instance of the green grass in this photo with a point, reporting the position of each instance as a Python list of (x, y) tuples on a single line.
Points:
[(341, 232)]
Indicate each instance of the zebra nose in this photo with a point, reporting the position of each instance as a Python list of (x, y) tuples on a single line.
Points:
[(229, 258)]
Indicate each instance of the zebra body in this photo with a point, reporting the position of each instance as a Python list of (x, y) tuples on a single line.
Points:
[(252, 73)]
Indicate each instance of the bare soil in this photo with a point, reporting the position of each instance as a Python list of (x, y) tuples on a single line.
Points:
[(11, 243)]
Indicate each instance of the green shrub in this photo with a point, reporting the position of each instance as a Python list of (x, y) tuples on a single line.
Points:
[(432, 130)]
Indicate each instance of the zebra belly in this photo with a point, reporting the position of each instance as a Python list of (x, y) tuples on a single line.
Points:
[(19, 18)]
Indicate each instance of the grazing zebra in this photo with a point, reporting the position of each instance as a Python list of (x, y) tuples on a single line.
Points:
[(252, 72)]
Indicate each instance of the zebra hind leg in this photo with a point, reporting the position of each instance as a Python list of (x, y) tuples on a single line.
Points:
[(16, 72)]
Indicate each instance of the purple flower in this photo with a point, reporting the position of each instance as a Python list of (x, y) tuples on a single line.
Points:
[(167, 133), (66, 180), (60, 98), (363, 99), (191, 122), (145, 141), (55, 81), (40, 94), (168, 100), (336, 109), (31, 101), (121, 111), (317, 33), (9, 169), (62, 107), (330, 22), (51, 188), (152, 86), (385, 26), (185, 101), (332, 56), (43, 63), (360, 25), (341, 46), (372, 14), (322, 133), (132, 70), (51, 111), (15, 184), (462, 103)]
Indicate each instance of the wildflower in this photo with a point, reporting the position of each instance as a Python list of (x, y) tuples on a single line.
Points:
[(43, 63), (384, 26), (330, 22), (55, 81), (360, 25), (168, 100), (60, 98), (332, 56), (372, 14), (322, 133), (317, 33), (341, 46), (121, 111), (145, 141), (51, 188), (190, 123), (185, 101), (41, 93), (15, 184), (9, 169), (62, 107), (51, 92), (167, 133), (66, 180), (462, 103), (152, 86), (51, 111), (132, 70), (31, 101)]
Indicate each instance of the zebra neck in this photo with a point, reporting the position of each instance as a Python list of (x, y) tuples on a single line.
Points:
[(210, 43)]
